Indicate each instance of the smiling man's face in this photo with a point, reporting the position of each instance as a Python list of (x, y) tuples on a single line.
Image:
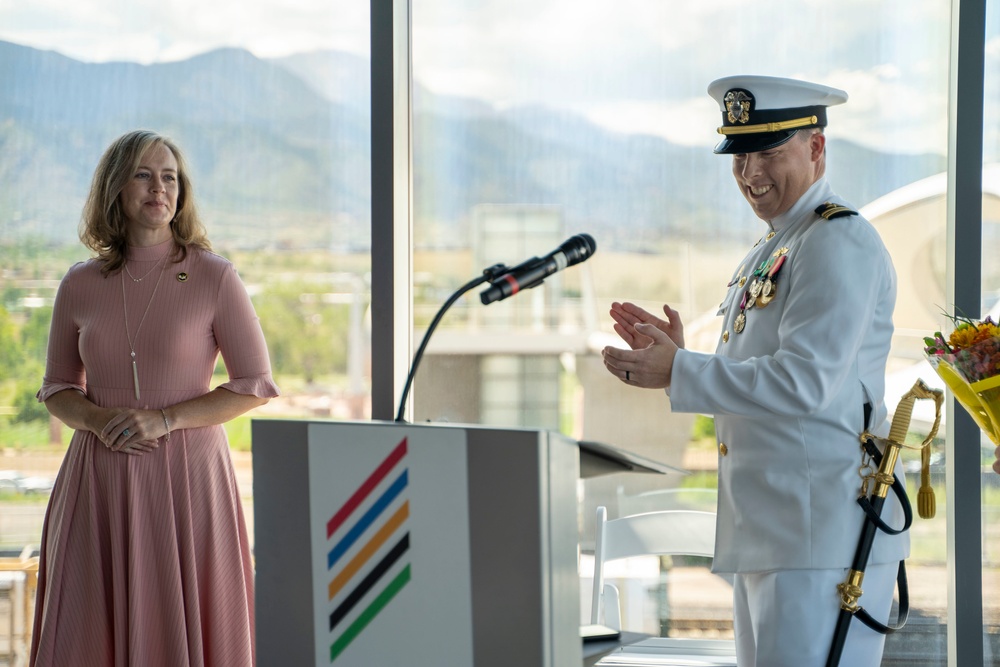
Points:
[(774, 179)]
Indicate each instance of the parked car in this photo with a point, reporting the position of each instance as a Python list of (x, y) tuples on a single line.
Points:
[(16, 482)]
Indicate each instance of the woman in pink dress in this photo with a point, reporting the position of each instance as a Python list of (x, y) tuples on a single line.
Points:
[(145, 560)]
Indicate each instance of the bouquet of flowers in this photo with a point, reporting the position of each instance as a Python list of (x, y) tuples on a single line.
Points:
[(969, 363)]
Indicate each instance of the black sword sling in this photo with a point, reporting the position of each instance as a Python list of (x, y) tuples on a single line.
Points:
[(881, 479)]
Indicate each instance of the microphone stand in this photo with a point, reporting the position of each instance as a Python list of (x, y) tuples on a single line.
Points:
[(489, 275)]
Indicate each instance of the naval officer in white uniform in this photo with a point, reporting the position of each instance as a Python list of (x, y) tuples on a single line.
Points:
[(800, 363)]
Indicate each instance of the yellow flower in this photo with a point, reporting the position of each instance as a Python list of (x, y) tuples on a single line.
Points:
[(962, 337), (986, 332)]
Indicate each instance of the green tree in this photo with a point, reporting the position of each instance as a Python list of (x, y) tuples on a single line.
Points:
[(27, 407), (306, 333), (10, 352), (35, 334), (703, 427)]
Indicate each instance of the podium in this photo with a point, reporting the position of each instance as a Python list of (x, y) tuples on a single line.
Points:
[(383, 543)]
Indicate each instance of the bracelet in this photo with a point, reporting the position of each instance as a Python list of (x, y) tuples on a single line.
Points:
[(165, 423)]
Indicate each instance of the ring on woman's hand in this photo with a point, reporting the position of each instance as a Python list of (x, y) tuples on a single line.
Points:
[(125, 433), (627, 373)]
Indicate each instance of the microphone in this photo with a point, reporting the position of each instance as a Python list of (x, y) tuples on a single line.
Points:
[(532, 272)]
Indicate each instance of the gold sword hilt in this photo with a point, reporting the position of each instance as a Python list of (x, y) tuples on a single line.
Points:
[(926, 504)]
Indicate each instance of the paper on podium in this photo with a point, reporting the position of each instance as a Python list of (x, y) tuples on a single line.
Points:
[(598, 458)]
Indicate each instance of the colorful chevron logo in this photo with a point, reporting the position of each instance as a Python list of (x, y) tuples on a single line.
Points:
[(365, 578)]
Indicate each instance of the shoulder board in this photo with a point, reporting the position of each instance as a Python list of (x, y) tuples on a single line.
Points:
[(830, 210)]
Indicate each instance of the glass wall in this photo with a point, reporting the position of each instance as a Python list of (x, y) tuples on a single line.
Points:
[(597, 114), (271, 105), (532, 122), (991, 307)]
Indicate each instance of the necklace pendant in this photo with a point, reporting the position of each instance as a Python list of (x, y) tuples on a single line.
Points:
[(128, 335), (135, 377)]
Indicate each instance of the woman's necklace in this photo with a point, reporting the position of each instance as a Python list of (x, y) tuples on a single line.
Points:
[(128, 336), (139, 280)]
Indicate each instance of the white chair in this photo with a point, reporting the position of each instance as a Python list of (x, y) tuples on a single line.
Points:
[(673, 532)]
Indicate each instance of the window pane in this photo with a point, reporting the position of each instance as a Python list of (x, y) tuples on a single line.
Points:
[(537, 121), (270, 105), (991, 307)]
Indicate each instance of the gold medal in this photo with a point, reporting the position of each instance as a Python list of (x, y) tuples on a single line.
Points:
[(769, 297), (767, 289), (752, 294), (740, 323)]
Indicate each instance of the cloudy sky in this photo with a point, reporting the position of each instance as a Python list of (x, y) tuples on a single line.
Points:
[(631, 65)]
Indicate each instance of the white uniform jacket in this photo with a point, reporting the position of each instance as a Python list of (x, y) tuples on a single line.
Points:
[(787, 386)]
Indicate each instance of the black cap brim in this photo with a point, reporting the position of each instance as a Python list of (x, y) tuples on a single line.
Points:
[(753, 143)]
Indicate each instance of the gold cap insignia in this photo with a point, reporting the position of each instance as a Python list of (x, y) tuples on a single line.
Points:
[(738, 106)]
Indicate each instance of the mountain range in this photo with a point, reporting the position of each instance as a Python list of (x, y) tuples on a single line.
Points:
[(280, 154)]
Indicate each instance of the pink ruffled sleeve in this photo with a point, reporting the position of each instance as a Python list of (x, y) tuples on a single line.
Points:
[(241, 340)]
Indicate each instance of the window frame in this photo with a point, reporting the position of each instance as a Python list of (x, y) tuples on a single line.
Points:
[(392, 252)]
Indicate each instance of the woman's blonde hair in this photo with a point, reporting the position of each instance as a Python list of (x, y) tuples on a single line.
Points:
[(103, 227)]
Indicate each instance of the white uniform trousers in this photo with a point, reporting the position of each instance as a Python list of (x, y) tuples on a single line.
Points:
[(786, 618)]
